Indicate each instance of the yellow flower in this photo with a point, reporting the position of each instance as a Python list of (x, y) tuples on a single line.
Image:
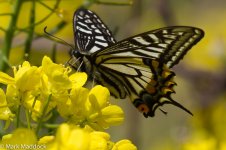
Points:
[(124, 145), (57, 81), (5, 113), (101, 114), (6, 79), (27, 77), (57, 74), (40, 89), (73, 137), (19, 139), (70, 138), (46, 139), (91, 108), (32, 86), (99, 140), (78, 79), (74, 107), (13, 97)]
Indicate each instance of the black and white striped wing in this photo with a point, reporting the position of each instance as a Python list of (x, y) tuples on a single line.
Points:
[(90, 33), (168, 45), (139, 66)]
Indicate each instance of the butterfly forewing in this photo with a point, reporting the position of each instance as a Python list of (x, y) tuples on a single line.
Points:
[(90, 33), (186, 37), (168, 45)]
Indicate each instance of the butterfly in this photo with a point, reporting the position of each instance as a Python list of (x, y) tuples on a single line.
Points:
[(138, 67)]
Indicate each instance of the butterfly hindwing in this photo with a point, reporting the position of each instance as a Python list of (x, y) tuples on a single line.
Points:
[(90, 33), (147, 82), (125, 76)]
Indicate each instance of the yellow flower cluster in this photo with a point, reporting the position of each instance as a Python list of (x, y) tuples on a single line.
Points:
[(68, 137), (40, 91), (75, 138)]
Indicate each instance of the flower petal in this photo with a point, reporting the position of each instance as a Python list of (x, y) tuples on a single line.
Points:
[(78, 79), (20, 136), (27, 78), (6, 79), (46, 139), (124, 145), (99, 141), (101, 94), (5, 113), (57, 74), (71, 138), (113, 115)]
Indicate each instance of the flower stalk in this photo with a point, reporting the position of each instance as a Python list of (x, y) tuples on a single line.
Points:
[(4, 55), (43, 114)]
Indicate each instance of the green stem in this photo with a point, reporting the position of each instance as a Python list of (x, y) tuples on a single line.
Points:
[(51, 126), (45, 18), (130, 2), (5, 14), (50, 14), (4, 55), (88, 3), (2, 29), (29, 39), (43, 114), (53, 54), (33, 105), (29, 114), (28, 119), (43, 4), (18, 116)]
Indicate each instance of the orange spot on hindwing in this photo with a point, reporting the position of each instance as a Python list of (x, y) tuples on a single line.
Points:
[(143, 108)]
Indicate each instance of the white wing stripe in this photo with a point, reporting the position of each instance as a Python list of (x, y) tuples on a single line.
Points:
[(123, 69), (141, 41), (83, 30)]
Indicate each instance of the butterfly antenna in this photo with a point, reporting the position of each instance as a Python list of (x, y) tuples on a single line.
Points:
[(61, 40)]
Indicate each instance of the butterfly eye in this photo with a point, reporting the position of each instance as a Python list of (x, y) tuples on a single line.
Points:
[(143, 108), (73, 53)]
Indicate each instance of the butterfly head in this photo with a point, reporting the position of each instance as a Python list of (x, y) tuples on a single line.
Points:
[(75, 60)]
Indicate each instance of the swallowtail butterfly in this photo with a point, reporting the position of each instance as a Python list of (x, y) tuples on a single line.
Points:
[(138, 67)]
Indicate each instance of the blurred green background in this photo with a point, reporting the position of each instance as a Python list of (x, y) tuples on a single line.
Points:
[(201, 76)]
